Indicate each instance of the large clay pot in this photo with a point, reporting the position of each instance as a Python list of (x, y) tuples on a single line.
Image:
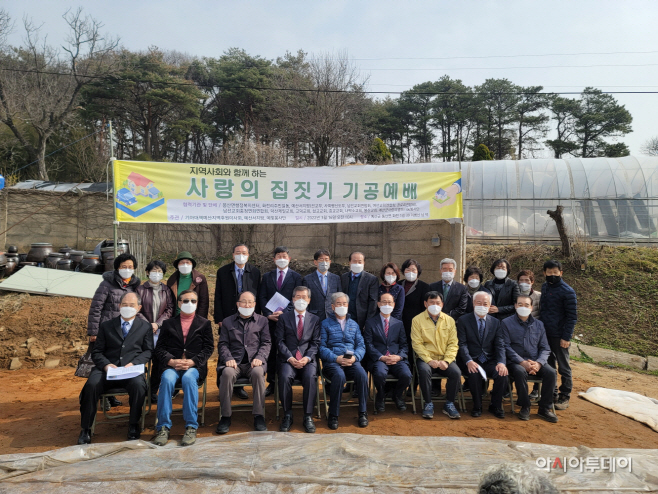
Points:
[(109, 263), (26, 263), (52, 259), (12, 249), (107, 252), (12, 264), (66, 249), (89, 263), (122, 246), (39, 252), (3, 259), (76, 258), (64, 265)]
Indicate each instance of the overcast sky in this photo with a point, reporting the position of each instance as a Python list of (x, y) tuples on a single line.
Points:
[(402, 43)]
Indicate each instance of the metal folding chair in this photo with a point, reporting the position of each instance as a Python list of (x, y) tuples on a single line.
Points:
[(486, 391), (179, 411), (242, 382), (460, 393), (325, 381), (295, 383), (391, 379), (530, 381)]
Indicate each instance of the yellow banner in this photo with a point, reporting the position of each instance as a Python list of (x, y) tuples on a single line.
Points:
[(149, 192)]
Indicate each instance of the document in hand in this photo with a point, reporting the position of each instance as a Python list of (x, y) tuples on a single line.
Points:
[(115, 374), (277, 302), (482, 373)]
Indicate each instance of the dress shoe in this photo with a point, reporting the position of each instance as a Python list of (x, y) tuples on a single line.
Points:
[(224, 425), (497, 412), (114, 402), (524, 414), (309, 426), (85, 436), (259, 423), (240, 393), (399, 403), (547, 414), (363, 419), (134, 432), (379, 403), (154, 397), (269, 390), (476, 412), (332, 422), (286, 423)]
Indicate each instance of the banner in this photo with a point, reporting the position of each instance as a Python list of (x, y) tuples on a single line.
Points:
[(149, 192)]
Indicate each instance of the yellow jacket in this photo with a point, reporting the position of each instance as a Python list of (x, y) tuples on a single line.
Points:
[(434, 342)]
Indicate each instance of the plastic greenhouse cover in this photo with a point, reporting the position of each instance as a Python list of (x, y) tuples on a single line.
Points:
[(319, 463)]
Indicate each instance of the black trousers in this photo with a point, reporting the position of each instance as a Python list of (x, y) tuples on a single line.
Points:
[(308, 376), (425, 373), (272, 364), (546, 374), (97, 384), (477, 384), (399, 371), (561, 356)]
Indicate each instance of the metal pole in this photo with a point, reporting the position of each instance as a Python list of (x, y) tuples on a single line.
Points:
[(114, 208)]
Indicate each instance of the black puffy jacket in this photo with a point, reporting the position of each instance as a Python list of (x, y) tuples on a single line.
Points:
[(559, 310), (106, 301)]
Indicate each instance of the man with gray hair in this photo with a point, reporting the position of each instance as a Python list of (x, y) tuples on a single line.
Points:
[(455, 295), (510, 478)]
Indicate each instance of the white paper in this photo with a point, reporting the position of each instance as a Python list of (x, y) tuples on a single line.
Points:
[(482, 373), (115, 374), (277, 302)]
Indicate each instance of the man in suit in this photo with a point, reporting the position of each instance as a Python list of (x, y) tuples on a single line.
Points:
[(481, 346), (362, 289), (243, 348), (322, 284), (455, 295), (387, 350), (184, 347), (283, 280), (298, 338), (121, 342)]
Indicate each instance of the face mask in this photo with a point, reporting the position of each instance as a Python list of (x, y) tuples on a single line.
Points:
[(474, 283), (155, 276), (340, 311), (386, 309), (552, 279), (246, 311), (356, 268), (390, 279), (435, 310), (282, 263), (410, 276), (185, 268), (523, 311), (128, 312), (126, 274), (323, 266), (525, 287), (447, 276), (500, 273), (188, 308), (240, 259), (301, 304), (481, 310)]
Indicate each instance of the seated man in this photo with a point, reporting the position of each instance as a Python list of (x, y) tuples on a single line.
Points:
[(340, 336), (297, 335), (121, 342), (434, 339), (527, 354), (243, 348), (481, 346), (184, 347), (386, 347)]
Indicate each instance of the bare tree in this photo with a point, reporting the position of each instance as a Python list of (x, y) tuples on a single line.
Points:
[(40, 86), (650, 147)]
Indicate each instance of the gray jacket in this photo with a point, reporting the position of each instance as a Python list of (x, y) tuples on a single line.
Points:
[(105, 304)]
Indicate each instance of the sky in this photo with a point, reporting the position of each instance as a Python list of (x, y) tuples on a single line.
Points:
[(561, 45)]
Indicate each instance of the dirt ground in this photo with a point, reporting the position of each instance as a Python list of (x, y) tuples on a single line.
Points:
[(39, 411)]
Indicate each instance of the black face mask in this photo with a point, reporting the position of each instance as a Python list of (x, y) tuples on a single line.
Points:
[(552, 279)]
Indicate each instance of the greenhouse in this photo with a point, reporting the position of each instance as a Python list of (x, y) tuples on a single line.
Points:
[(604, 199)]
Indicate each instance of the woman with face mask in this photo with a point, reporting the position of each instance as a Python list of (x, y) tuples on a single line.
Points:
[(186, 277), (414, 292), (503, 289), (526, 281), (390, 274), (473, 277)]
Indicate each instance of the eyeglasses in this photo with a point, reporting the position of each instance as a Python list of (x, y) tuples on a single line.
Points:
[(189, 300)]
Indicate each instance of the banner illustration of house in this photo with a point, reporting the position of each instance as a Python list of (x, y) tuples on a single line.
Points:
[(138, 195)]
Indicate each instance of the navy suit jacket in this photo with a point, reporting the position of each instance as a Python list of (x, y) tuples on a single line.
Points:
[(470, 346), (268, 288), (456, 303), (366, 295), (285, 336), (320, 303), (377, 344)]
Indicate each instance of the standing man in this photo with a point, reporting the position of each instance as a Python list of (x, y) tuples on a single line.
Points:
[(387, 349), (455, 295), (362, 289), (123, 341), (283, 280), (233, 279), (322, 284), (186, 277), (559, 313), (243, 348), (298, 338), (481, 346)]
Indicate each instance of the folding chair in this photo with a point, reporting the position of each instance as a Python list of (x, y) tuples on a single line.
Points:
[(530, 381), (465, 398), (295, 383), (460, 393), (242, 382), (179, 411), (391, 379), (325, 381)]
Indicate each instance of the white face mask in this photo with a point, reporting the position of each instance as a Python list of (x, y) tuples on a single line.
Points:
[(246, 311), (126, 274), (435, 310), (356, 268), (323, 266), (410, 276), (282, 263), (340, 311), (523, 311), (301, 304), (128, 312), (474, 283), (185, 268), (447, 276), (525, 287), (240, 259), (386, 309), (188, 308), (500, 273), (390, 279), (481, 310), (155, 276)]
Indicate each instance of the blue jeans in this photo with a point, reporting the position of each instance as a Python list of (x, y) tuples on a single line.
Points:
[(188, 379)]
